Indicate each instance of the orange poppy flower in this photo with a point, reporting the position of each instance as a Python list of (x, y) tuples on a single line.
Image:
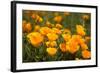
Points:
[(87, 39), (51, 44), (72, 46), (57, 31), (37, 28), (27, 27), (84, 46), (51, 51), (33, 16), (48, 24), (66, 37), (52, 36), (35, 38), (58, 19), (77, 38), (80, 30), (85, 17), (37, 17), (86, 54), (45, 30), (63, 47), (58, 26)]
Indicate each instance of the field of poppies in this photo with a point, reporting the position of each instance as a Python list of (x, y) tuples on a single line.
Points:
[(55, 36)]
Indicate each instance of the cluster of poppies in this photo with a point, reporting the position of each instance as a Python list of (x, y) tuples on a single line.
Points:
[(57, 40)]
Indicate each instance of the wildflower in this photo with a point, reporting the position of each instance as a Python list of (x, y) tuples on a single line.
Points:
[(86, 54), (38, 18), (35, 38), (84, 46), (66, 37), (63, 47), (66, 31), (33, 16), (81, 41), (52, 36), (26, 27), (58, 19), (45, 30), (72, 46), (37, 28), (80, 30), (48, 24), (87, 39), (77, 38), (51, 51), (85, 17), (51, 44), (57, 31), (58, 26)]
